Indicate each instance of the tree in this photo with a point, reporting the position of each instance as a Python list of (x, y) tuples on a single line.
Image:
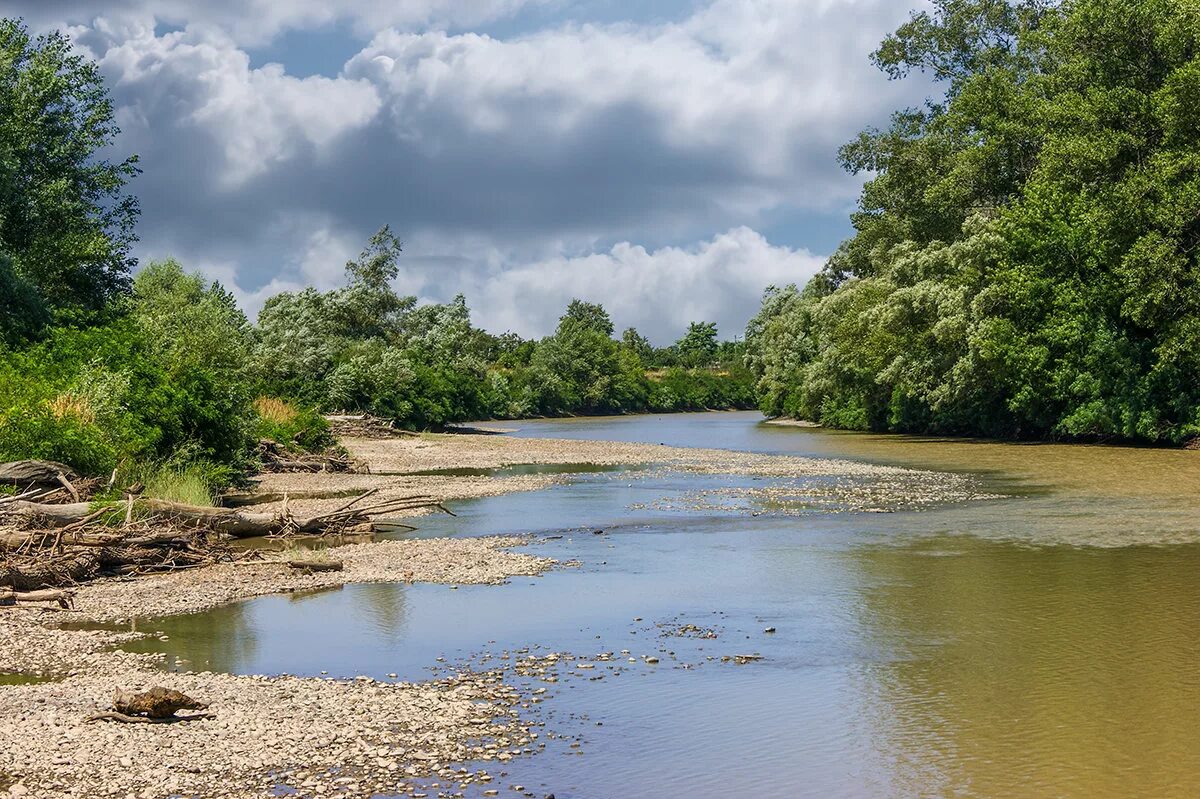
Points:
[(369, 306), (698, 347), (1026, 260), (66, 223), (586, 316), (637, 344)]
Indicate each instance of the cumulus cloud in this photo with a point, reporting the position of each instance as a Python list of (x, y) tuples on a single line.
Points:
[(658, 291), (504, 162), (255, 22)]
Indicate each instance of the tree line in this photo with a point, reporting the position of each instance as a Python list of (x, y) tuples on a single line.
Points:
[(100, 366), (1025, 261)]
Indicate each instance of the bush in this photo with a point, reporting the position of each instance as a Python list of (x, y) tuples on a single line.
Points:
[(292, 427)]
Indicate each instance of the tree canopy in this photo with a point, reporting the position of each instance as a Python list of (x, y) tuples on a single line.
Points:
[(66, 222), (1024, 262)]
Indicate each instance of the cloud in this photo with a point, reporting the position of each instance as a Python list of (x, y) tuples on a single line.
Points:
[(250, 121), (658, 291), (568, 148), (256, 22)]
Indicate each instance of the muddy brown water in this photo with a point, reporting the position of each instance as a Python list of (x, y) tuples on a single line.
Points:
[(1043, 644)]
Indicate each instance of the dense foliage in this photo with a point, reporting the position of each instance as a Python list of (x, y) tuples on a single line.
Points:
[(163, 378), (66, 224), (363, 347), (1025, 257)]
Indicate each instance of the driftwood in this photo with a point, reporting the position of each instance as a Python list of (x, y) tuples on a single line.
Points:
[(64, 599), (248, 499), (78, 541), (363, 425), (231, 522), (73, 553), (31, 473), (280, 459), (49, 571), (112, 715)]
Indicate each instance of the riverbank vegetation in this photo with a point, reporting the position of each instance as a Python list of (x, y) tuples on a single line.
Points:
[(1025, 256), (160, 375)]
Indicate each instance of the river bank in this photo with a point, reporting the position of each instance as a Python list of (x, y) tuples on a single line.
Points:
[(341, 737)]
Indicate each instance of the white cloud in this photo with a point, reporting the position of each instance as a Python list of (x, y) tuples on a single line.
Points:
[(255, 22), (254, 119), (503, 161), (658, 291)]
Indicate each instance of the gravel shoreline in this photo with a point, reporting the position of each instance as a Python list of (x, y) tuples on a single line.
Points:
[(328, 737), (411, 465), (318, 737)]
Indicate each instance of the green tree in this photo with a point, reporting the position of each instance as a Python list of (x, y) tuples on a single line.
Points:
[(1025, 257), (698, 347), (66, 223), (637, 344), (590, 316)]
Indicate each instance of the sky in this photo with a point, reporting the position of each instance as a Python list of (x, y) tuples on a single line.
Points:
[(666, 158)]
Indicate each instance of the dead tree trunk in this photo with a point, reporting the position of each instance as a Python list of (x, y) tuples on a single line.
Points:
[(231, 522)]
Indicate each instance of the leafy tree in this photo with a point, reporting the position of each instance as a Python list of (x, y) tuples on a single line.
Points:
[(589, 316), (637, 344), (1025, 256), (369, 307), (66, 224), (698, 347)]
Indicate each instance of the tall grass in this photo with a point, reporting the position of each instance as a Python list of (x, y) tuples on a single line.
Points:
[(275, 411), (290, 426), (190, 484)]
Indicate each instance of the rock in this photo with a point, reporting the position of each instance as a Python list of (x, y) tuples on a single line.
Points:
[(157, 703)]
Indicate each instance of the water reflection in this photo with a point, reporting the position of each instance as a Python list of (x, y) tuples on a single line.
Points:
[(1028, 647), (1022, 671)]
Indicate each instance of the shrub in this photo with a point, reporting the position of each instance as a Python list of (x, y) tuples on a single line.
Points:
[(284, 423)]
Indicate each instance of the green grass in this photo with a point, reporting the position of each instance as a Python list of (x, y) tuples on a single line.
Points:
[(190, 484)]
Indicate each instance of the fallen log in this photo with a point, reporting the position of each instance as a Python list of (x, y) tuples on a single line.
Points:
[(64, 599), (229, 521), (32, 472), (247, 500)]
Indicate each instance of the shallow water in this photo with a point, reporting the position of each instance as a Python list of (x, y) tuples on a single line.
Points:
[(1038, 645)]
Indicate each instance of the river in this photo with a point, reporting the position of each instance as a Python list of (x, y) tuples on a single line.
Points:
[(1039, 644)]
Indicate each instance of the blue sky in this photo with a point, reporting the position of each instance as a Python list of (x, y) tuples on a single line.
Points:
[(668, 159)]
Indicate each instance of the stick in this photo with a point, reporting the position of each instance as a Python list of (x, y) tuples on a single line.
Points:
[(31, 493), (344, 508), (62, 478), (112, 715), (83, 522), (316, 565)]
